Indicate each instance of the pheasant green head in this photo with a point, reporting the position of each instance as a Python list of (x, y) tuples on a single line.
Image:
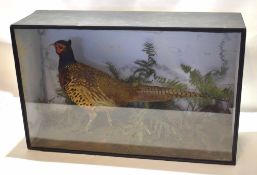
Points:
[(64, 50), (62, 46)]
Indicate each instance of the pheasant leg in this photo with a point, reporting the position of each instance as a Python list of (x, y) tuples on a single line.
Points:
[(92, 115), (107, 111), (109, 117)]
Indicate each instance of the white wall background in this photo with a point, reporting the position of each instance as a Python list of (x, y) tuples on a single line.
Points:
[(30, 64), (13, 10)]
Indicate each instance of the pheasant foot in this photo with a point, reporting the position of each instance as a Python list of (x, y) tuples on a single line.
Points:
[(92, 113)]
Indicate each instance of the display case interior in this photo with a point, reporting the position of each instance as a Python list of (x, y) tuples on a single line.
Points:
[(187, 63)]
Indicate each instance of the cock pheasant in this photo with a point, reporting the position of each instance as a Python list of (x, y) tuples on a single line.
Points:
[(87, 86)]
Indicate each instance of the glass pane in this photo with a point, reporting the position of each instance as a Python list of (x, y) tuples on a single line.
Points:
[(158, 93)]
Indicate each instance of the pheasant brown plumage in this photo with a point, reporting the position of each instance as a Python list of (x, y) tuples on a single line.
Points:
[(88, 86)]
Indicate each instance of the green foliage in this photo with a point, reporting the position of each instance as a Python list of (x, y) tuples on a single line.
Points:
[(145, 68), (207, 86), (113, 70), (145, 72), (176, 85), (219, 73), (185, 68), (150, 51)]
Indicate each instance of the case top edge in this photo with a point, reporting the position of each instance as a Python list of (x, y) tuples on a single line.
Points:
[(134, 18)]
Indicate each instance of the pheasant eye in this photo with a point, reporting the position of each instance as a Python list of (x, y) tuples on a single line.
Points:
[(61, 47)]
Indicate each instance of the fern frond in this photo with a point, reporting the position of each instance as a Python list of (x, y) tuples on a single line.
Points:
[(113, 70), (185, 68)]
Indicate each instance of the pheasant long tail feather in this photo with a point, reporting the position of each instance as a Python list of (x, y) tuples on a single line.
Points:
[(158, 94)]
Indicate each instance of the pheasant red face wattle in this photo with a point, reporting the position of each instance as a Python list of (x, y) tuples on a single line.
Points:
[(59, 48)]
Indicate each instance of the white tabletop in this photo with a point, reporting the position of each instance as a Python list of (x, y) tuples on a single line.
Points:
[(15, 158)]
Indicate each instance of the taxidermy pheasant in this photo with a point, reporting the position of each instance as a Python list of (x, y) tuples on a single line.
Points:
[(89, 87)]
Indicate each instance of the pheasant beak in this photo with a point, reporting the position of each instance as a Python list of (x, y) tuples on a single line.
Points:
[(51, 45)]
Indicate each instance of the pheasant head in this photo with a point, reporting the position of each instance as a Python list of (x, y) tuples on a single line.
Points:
[(64, 50), (62, 46)]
